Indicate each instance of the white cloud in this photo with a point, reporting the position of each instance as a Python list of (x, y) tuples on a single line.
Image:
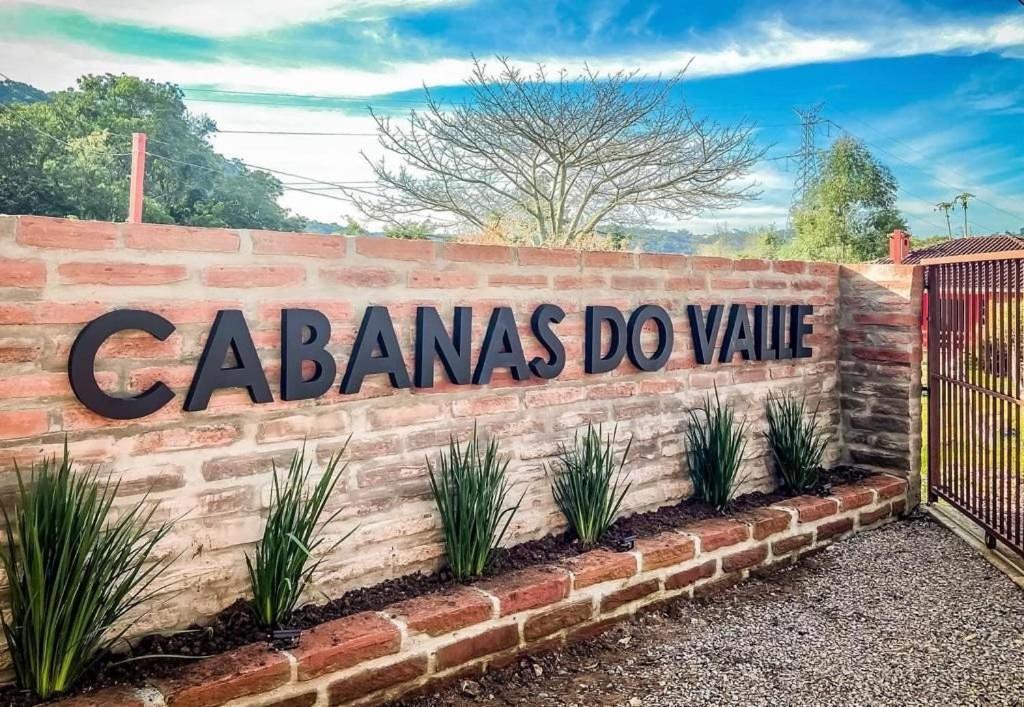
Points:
[(224, 18)]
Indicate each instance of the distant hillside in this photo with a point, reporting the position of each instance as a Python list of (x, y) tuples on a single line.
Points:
[(18, 92)]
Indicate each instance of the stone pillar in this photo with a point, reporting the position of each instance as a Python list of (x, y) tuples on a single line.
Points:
[(880, 369)]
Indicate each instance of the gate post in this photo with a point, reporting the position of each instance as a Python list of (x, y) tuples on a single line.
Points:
[(934, 411)]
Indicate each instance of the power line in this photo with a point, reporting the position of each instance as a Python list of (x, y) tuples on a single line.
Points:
[(295, 132), (810, 161)]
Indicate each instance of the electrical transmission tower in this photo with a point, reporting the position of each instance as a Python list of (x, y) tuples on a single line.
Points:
[(808, 157)]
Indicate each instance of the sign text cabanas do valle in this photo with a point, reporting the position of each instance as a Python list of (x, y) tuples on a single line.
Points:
[(759, 333)]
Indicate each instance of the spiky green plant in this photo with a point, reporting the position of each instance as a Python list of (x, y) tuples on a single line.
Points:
[(588, 483), (75, 569), (797, 440), (470, 488), (285, 557), (716, 441)]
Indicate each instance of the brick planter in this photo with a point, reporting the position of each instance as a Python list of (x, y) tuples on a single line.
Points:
[(375, 656)]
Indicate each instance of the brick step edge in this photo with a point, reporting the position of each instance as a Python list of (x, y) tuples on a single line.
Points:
[(372, 657)]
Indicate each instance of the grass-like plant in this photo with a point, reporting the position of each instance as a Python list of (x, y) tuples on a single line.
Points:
[(75, 569), (588, 483), (797, 440), (470, 488), (285, 557), (715, 442)]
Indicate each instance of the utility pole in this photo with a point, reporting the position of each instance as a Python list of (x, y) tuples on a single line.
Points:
[(137, 184), (809, 161)]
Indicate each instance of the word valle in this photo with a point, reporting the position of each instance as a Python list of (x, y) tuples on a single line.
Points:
[(759, 333)]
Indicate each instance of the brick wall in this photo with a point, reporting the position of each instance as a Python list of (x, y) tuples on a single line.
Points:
[(880, 369), (213, 467)]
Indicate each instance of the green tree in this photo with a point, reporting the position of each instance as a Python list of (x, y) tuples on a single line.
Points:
[(849, 211), (413, 231), (962, 198), (945, 207), (70, 156)]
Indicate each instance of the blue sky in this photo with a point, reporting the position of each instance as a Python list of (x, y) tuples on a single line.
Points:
[(936, 89)]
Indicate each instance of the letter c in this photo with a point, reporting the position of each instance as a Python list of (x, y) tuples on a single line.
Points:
[(82, 365)]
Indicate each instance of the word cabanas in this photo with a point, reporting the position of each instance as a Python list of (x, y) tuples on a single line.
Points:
[(230, 360)]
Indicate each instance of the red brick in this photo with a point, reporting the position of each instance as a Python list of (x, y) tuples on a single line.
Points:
[(517, 280), (626, 595), (200, 240), (899, 506), (811, 508), (608, 259), (490, 405), (887, 319), (580, 282), (885, 486), (50, 312), (745, 558), (167, 478), (246, 465), (32, 385), (554, 620), (385, 418), (253, 276), (719, 585), (751, 265), (22, 423), (71, 234), (664, 550), (873, 516), (790, 267), (592, 630), (852, 496), (556, 257), (633, 282), (599, 566), (794, 542), (369, 681), (690, 575), (664, 261), (173, 438), (20, 350), (528, 588), (442, 613), (342, 643), (397, 249), (553, 396), (881, 355), (250, 670), (306, 699), (765, 521), (303, 244), (490, 641), (120, 274), (442, 279), (360, 276), (703, 263), (834, 527), (474, 253), (716, 533), (22, 272)]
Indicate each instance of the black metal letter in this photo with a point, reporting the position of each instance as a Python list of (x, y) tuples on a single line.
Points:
[(737, 335), (543, 317), (798, 328), (432, 340), (704, 334), (636, 325), (763, 348), (375, 332), (592, 359), (82, 365), (296, 348), (783, 351), (229, 331), (501, 348)]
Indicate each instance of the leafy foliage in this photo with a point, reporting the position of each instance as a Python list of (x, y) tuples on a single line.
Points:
[(715, 443), (70, 156), (413, 231), (797, 440), (470, 487), (588, 484), (850, 210), (74, 571), (284, 557)]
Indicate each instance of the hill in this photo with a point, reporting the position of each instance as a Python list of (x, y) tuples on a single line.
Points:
[(18, 92)]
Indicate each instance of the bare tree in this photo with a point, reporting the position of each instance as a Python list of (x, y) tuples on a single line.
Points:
[(565, 155)]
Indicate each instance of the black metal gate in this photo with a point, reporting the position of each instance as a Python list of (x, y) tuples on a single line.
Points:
[(974, 390)]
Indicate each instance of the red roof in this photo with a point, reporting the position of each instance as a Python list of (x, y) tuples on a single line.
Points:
[(973, 245)]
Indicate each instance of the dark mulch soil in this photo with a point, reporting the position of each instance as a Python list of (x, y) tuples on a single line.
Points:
[(235, 626)]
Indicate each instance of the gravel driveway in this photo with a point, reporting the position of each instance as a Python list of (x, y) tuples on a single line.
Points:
[(904, 615)]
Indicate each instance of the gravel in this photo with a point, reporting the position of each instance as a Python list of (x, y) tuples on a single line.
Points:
[(904, 615)]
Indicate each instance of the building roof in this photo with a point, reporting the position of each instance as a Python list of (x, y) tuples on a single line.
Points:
[(972, 245)]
